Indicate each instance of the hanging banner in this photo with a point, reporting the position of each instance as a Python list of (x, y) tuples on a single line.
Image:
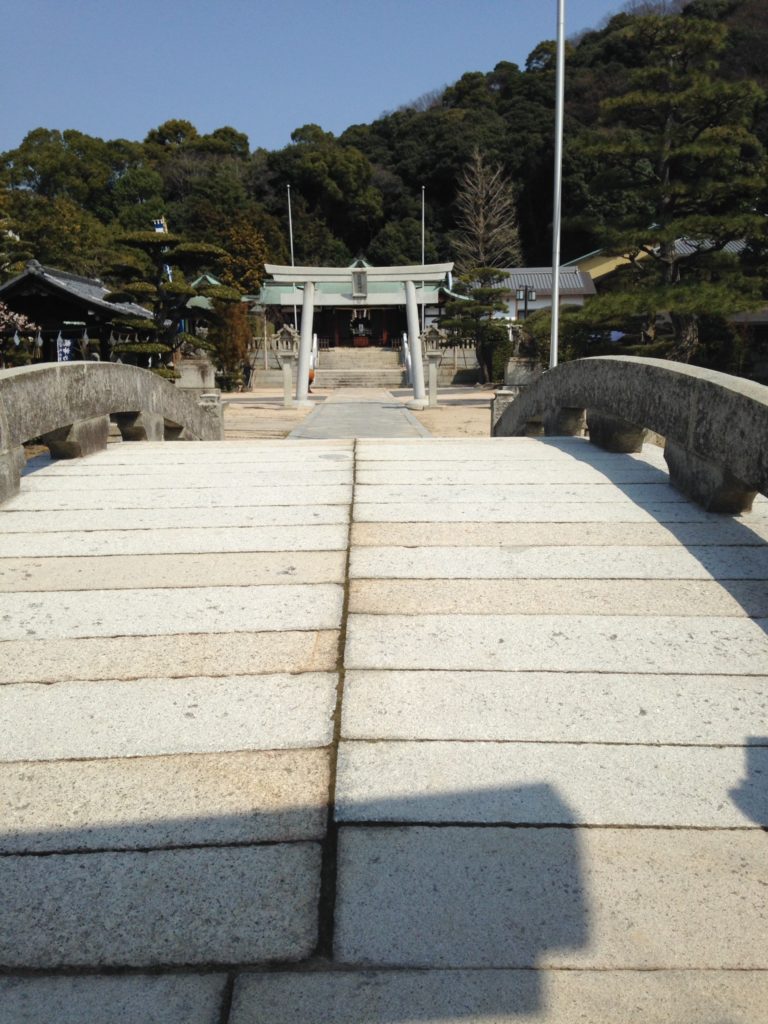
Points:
[(63, 349)]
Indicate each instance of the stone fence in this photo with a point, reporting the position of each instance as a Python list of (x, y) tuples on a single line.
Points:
[(715, 426), (69, 407)]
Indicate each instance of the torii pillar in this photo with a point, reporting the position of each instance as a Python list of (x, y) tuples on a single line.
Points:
[(305, 344), (414, 342)]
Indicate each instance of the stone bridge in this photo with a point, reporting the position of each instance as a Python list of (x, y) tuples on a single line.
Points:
[(378, 731), (69, 407)]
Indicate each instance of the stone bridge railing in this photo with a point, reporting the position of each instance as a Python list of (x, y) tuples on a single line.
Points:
[(69, 406), (715, 426)]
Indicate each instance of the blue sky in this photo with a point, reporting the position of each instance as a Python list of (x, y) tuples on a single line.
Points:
[(116, 69)]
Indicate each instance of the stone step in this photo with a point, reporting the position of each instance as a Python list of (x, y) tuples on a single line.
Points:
[(359, 358), (359, 378)]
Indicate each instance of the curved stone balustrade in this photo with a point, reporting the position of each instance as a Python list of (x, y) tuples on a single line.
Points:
[(70, 405), (715, 425)]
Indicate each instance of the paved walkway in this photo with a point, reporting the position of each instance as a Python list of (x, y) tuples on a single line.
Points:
[(359, 412), (380, 731)]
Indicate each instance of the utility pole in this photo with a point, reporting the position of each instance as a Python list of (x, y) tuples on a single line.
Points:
[(558, 192), (293, 263), (423, 303)]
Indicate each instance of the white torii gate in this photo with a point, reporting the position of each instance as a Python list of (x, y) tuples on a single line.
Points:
[(351, 289)]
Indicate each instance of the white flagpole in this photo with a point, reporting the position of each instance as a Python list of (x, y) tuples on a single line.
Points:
[(423, 303), (557, 198), (293, 263)]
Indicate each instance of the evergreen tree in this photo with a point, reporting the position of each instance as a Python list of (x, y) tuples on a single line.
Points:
[(679, 177), (154, 274), (476, 318)]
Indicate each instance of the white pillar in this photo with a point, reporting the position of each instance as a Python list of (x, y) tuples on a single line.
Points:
[(414, 341), (305, 344)]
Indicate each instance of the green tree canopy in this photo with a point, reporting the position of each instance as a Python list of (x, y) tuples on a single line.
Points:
[(679, 177)]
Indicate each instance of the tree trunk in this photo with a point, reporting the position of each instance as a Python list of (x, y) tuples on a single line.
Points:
[(484, 355), (686, 326)]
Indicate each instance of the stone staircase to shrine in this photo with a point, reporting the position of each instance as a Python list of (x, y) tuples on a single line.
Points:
[(369, 368)]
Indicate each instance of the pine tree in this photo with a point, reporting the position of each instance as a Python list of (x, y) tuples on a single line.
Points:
[(679, 174), (476, 318)]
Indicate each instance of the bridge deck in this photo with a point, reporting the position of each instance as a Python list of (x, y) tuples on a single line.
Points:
[(381, 731)]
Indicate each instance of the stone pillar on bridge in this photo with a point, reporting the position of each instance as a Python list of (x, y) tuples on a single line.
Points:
[(140, 426), (565, 421), (613, 433), (305, 344), (710, 484), (83, 437)]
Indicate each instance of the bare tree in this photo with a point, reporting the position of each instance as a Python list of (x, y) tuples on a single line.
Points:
[(487, 233)]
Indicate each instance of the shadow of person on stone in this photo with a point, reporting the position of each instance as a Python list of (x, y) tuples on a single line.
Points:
[(751, 795), (732, 555), (454, 881), (481, 878)]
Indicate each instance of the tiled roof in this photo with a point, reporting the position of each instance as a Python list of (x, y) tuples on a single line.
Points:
[(688, 246), (88, 289), (572, 282)]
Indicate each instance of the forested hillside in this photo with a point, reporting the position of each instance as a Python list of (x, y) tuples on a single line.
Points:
[(68, 198)]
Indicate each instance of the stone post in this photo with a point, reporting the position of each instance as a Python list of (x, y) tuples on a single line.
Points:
[(305, 344), (565, 421), (211, 407), (140, 426), (414, 341), (288, 360), (711, 485), (502, 398), (434, 359), (614, 434), (83, 437)]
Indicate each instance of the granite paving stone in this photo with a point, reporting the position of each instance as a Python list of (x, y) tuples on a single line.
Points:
[(551, 897), (512, 472), (206, 474), (113, 999), (500, 997), (289, 493), (175, 541), (570, 643), (581, 563), (120, 572), (553, 512), (176, 656), (552, 707), (348, 414), (163, 907), (456, 494), (157, 498), (558, 596), (141, 717), (720, 531), (215, 518), (154, 802), (597, 784), (159, 611)]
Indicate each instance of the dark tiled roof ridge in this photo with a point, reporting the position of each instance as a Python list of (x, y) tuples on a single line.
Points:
[(52, 271)]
